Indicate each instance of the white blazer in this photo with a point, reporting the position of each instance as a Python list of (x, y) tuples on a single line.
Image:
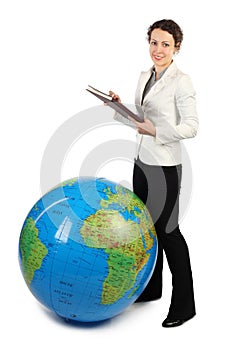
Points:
[(171, 106)]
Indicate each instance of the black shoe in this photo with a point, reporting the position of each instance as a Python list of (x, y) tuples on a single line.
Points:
[(167, 323), (172, 322)]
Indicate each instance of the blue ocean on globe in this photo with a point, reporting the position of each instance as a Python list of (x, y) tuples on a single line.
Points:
[(87, 249)]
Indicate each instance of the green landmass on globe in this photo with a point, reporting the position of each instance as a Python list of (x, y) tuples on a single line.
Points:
[(32, 249)]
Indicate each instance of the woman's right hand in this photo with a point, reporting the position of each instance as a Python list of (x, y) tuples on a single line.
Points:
[(114, 96)]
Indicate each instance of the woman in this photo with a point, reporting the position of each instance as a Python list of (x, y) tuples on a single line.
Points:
[(167, 99)]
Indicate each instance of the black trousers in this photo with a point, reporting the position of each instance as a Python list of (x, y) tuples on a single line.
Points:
[(159, 187)]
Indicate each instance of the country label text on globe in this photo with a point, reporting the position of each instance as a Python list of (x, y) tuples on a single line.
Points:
[(87, 249)]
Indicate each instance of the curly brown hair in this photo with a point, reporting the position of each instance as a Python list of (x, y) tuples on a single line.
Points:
[(169, 26)]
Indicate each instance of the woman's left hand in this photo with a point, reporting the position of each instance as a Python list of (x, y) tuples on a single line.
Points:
[(144, 128)]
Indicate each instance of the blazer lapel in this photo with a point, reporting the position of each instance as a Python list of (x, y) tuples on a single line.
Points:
[(155, 89), (144, 77), (170, 72)]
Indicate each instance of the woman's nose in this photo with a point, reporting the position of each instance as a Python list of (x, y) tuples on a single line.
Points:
[(159, 48)]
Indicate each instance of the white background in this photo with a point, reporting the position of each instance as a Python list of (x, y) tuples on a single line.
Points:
[(50, 51)]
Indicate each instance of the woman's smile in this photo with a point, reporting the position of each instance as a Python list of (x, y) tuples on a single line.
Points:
[(157, 58)]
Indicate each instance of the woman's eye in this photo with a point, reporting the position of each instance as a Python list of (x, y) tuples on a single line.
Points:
[(154, 43)]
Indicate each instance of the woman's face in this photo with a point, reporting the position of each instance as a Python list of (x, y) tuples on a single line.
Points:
[(162, 48)]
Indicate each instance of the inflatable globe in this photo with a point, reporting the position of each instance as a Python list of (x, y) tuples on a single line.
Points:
[(87, 249)]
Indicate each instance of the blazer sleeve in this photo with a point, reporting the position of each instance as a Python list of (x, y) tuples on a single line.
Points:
[(186, 125)]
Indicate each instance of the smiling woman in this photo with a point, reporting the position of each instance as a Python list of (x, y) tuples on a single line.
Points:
[(167, 98)]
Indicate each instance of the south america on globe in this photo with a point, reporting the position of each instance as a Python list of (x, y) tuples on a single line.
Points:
[(87, 249)]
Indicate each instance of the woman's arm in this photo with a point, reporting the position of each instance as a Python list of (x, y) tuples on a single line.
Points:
[(185, 99)]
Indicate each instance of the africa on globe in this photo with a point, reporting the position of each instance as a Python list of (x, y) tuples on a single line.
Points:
[(87, 249)]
